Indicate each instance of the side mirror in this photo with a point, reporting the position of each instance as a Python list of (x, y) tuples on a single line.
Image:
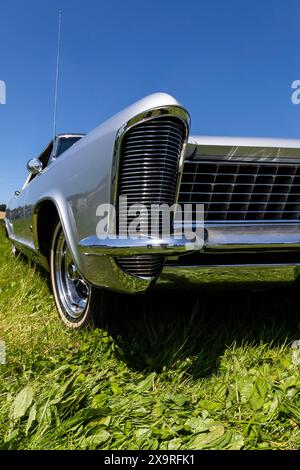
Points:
[(34, 166)]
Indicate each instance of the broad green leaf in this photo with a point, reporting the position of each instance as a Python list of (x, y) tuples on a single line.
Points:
[(92, 442), (115, 388), (197, 425), (245, 387), (142, 434), (262, 387), (206, 440), (66, 389), (44, 415), (236, 441), (174, 444), (99, 400), (145, 384), (209, 405), (179, 399), (142, 411), (154, 444), (31, 418), (256, 401), (292, 381), (22, 402), (157, 410), (222, 442), (11, 436), (274, 407), (84, 416), (105, 421)]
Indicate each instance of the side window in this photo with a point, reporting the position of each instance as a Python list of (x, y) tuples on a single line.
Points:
[(65, 143)]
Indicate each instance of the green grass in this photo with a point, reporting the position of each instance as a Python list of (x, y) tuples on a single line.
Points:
[(174, 370)]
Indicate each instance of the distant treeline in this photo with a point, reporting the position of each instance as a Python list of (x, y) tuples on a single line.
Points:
[(2, 207)]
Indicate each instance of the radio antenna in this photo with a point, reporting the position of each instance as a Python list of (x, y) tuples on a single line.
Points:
[(57, 73)]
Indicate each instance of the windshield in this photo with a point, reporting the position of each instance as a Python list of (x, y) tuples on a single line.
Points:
[(64, 143)]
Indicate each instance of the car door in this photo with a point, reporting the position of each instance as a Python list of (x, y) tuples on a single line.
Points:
[(15, 215)]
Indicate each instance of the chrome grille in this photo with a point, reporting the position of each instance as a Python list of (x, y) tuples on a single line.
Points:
[(148, 174), (243, 190), (142, 265)]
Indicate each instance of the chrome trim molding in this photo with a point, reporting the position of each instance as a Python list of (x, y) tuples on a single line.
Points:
[(142, 246), (232, 275), (250, 148), (239, 236)]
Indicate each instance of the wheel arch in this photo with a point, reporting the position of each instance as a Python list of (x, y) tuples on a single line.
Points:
[(46, 214)]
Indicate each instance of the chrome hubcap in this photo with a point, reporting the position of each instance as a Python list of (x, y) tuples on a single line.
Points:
[(74, 292), (72, 272)]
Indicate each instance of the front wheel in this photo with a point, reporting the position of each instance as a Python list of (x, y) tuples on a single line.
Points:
[(78, 303)]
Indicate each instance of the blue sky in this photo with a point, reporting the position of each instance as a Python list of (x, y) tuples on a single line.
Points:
[(230, 63)]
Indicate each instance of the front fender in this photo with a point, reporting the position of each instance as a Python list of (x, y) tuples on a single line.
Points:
[(66, 217)]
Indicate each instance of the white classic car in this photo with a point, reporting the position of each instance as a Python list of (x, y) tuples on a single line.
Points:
[(249, 188)]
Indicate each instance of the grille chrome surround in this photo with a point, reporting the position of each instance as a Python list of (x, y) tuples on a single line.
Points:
[(151, 159), (239, 190)]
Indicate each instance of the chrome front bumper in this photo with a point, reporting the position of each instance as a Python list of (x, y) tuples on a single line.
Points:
[(216, 238), (100, 268), (229, 275)]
